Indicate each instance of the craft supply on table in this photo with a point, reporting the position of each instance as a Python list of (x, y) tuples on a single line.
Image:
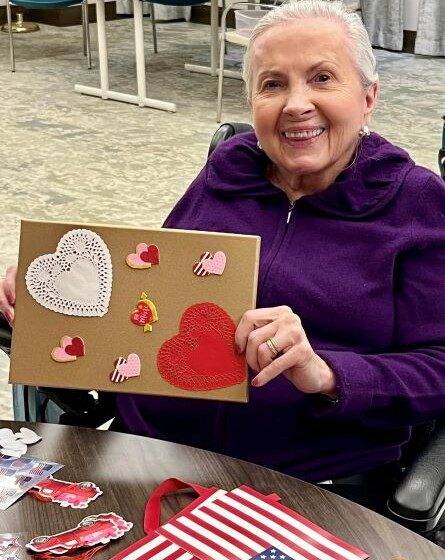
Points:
[(9, 546), (93, 530), (18, 475), (16, 444), (239, 525), (67, 494)]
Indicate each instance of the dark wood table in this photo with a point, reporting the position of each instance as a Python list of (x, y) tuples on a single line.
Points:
[(128, 468)]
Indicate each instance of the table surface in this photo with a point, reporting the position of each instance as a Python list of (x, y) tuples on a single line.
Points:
[(128, 468)]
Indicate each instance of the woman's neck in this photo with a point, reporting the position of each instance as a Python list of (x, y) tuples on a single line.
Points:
[(297, 185)]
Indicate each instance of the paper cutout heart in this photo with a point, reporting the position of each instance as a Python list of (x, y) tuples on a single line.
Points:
[(124, 368), (76, 279), (69, 350), (145, 256), (198, 269), (202, 356), (215, 264)]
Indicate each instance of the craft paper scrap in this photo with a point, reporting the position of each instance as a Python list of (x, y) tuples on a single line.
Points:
[(16, 444), (210, 264), (145, 256), (145, 313), (9, 546), (67, 494), (76, 279), (69, 350), (92, 530), (17, 476), (243, 524), (202, 356)]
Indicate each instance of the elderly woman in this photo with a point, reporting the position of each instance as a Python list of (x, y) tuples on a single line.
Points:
[(346, 346)]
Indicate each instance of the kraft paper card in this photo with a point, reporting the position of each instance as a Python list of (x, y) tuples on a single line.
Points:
[(150, 311)]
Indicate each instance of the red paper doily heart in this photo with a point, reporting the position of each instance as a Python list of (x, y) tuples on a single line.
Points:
[(202, 356)]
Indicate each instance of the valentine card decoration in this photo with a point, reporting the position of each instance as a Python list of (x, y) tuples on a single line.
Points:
[(124, 368), (16, 445), (92, 530), (145, 313), (202, 356), (9, 546), (145, 256), (76, 279), (18, 475), (238, 525), (82, 352), (67, 494), (210, 264), (69, 350)]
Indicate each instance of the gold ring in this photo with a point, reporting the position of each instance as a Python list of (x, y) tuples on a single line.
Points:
[(274, 350)]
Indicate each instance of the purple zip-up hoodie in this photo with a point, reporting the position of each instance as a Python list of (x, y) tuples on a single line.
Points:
[(363, 265)]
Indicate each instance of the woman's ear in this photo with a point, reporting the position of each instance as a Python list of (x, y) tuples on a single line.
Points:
[(371, 98)]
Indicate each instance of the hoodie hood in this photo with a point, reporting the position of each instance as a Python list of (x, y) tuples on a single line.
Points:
[(362, 189)]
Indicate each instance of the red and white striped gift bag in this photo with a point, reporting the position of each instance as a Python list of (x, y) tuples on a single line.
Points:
[(238, 525)]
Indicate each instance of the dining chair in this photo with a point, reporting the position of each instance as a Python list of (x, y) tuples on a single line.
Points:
[(47, 5)]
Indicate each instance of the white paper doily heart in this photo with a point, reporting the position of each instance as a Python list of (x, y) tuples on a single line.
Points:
[(76, 279)]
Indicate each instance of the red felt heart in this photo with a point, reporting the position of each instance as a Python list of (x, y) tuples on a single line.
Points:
[(202, 356), (151, 255), (76, 348)]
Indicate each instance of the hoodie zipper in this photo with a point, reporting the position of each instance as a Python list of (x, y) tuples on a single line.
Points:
[(289, 210)]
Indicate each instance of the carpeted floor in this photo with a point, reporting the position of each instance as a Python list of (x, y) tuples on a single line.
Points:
[(77, 158)]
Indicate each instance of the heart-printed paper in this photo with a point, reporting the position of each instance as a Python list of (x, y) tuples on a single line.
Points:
[(202, 357), (124, 368), (145, 256), (76, 279), (69, 350)]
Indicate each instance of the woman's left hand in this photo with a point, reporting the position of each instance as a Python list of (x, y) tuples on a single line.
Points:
[(296, 360)]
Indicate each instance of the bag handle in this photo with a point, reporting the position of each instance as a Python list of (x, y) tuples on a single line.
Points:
[(152, 517)]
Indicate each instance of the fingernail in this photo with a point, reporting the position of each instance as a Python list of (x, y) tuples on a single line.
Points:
[(8, 316), (255, 382), (238, 349)]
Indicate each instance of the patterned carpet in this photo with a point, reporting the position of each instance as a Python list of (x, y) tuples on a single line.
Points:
[(78, 158)]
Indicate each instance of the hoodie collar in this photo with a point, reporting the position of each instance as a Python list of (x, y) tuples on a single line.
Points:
[(238, 169)]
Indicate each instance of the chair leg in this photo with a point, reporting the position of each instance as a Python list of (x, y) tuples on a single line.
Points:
[(86, 33), (222, 50), (11, 41), (153, 26)]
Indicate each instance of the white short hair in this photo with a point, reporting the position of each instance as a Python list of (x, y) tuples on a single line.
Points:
[(362, 55)]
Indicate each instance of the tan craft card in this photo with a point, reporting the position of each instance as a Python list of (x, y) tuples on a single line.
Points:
[(149, 311)]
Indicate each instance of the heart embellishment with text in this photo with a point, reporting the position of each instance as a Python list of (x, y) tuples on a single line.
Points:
[(202, 357), (76, 279)]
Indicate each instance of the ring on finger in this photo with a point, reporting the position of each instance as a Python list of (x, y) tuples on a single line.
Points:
[(273, 347)]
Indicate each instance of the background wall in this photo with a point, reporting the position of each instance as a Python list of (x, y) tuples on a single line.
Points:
[(410, 15)]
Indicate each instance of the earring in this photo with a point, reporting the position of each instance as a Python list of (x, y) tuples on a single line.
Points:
[(364, 132), (259, 145)]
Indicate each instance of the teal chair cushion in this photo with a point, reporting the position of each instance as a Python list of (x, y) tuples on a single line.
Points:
[(44, 4)]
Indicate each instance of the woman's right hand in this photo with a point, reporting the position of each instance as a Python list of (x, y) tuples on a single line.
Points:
[(7, 293)]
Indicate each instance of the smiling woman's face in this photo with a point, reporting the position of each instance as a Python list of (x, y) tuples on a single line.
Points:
[(308, 103)]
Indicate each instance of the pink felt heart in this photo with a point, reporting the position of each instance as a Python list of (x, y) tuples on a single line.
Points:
[(131, 367), (215, 265), (59, 355)]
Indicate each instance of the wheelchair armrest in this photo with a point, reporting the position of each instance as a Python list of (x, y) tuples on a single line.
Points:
[(226, 131), (419, 499), (5, 335)]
